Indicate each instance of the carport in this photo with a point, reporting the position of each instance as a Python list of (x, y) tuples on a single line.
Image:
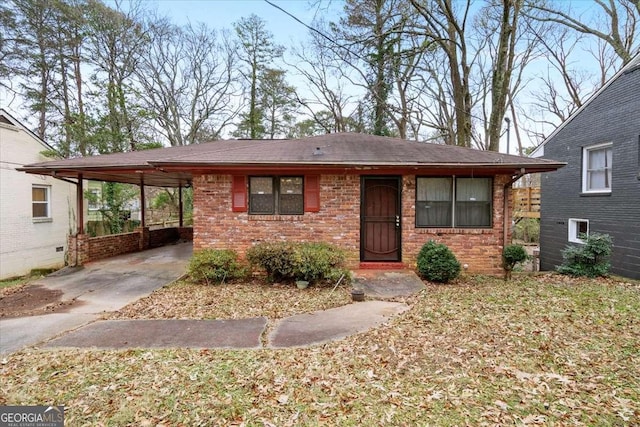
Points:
[(128, 168)]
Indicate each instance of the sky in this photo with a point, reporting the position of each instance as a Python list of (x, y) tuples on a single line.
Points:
[(223, 13)]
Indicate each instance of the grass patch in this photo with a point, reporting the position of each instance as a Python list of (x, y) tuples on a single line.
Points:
[(14, 281), (546, 350), (36, 273)]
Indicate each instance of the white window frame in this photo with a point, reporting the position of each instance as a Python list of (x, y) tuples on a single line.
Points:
[(46, 202), (585, 168), (573, 230)]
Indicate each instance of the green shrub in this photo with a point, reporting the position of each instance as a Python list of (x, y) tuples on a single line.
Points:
[(590, 259), (316, 262), (527, 230), (215, 266), (276, 258), (286, 261), (512, 255), (437, 263)]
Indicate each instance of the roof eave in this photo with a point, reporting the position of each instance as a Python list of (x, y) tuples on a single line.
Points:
[(538, 167)]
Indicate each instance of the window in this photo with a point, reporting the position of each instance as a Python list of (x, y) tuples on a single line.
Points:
[(578, 227), (276, 195), (40, 201), (434, 207), (596, 169), (453, 202)]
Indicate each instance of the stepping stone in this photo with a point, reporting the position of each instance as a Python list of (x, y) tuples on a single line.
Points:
[(166, 333), (333, 324)]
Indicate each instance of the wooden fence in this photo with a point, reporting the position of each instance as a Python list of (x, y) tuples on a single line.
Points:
[(526, 203)]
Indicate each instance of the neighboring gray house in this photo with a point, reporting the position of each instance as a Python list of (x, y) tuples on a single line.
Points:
[(599, 189)]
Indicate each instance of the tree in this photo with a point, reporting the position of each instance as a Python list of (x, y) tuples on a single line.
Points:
[(615, 23), (10, 45), (277, 102), (257, 52), (188, 80), (373, 40), (35, 30), (572, 42), (117, 39), (327, 99), (446, 28)]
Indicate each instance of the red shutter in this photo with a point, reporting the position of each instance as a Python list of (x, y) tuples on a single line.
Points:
[(239, 197), (312, 193)]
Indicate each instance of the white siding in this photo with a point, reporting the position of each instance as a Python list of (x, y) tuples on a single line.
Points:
[(26, 244)]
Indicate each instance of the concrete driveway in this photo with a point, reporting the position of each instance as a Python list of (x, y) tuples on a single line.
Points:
[(105, 285)]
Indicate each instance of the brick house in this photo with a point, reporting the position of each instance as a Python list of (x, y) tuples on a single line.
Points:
[(378, 198)]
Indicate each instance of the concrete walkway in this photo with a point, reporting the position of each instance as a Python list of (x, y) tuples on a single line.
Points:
[(111, 284), (105, 285)]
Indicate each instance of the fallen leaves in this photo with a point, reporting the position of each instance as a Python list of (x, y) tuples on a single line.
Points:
[(539, 350), (186, 300)]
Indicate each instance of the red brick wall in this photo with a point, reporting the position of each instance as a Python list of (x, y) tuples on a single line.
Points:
[(479, 248), (112, 245), (338, 222), (186, 233), (162, 236), (216, 226)]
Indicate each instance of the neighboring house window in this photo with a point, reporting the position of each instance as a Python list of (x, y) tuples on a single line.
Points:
[(276, 195), (453, 202), (596, 169), (41, 201), (578, 227)]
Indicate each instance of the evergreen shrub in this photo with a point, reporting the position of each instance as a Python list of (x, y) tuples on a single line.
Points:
[(437, 263)]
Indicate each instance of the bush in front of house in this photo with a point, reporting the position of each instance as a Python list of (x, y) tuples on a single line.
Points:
[(275, 258), (288, 261), (437, 263), (318, 262), (590, 259), (511, 256), (213, 266)]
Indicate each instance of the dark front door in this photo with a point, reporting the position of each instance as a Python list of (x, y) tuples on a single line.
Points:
[(380, 219)]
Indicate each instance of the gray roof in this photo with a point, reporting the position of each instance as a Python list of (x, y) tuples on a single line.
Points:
[(345, 151)]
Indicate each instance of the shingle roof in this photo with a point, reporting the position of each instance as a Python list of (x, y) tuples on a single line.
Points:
[(339, 150)]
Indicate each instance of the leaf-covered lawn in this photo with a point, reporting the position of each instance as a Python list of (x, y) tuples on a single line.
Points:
[(539, 350), (186, 300)]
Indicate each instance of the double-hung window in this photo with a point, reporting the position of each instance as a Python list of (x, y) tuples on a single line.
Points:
[(596, 168), (41, 202), (453, 202), (270, 195)]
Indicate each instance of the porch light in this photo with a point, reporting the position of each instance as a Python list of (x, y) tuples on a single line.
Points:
[(318, 152)]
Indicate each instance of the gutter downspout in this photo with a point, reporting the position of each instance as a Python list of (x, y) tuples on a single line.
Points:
[(505, 208)]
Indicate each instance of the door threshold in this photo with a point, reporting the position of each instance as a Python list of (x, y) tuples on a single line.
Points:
[(382, 265)]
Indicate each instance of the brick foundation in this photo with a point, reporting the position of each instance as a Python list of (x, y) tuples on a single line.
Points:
[(338, 222)]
